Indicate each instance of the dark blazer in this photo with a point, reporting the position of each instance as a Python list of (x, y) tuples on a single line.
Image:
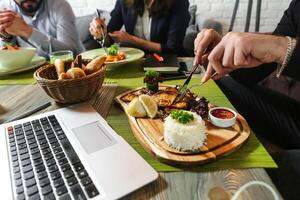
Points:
[(169, 30)]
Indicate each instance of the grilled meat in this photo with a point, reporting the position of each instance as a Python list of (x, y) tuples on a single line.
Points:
[(181, 105), (129, 97), (166, 98)]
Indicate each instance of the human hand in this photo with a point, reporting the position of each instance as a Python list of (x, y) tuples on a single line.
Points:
[(6, 20), (95, 28), (206, 40), (121, 37), (19, 27), (244, 50)]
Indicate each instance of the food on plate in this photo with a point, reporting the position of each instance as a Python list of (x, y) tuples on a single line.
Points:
[(149, 105), (94, 65), (113, 49), (113, 54), (182, 116), (130, 96), (222, 113), (184, 131), (75, 72), (166, 101), (152, 78), (142, 106), (222, 117), (136, 109), (10, 47), (78, 68), (165, 98), (178, 136), (199, 106)]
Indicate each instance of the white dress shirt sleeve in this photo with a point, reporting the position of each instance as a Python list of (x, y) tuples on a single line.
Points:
[(66, 33)]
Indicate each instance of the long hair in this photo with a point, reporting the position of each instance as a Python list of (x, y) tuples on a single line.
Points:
[(159, 8)]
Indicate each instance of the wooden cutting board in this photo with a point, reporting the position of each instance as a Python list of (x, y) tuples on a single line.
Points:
[(220, 141)]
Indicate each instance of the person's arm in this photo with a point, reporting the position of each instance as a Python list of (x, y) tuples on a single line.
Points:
[(124, 37), (145, 44), (204, 43), (6, 19), (4, 38), (115, 24), (288, 26), (66, 35), (246, 50), (179, 19)]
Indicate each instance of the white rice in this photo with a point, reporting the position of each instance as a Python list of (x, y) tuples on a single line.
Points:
[(185, 137)]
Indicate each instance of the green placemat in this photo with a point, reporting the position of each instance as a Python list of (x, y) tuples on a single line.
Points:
[(250, 155), (25, 78)]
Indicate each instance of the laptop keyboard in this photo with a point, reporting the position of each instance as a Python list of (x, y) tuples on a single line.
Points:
[(44, 164)]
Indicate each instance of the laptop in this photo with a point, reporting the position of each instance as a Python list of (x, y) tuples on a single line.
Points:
[(69, 153)]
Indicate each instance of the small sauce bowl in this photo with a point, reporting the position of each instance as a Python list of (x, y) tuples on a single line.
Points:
[(222, 117)]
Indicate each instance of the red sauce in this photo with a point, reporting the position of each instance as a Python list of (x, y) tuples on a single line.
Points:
[(222, 113)]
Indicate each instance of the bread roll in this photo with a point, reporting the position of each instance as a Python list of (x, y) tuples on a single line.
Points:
[(94, 65), (75, 72), (63, 76), (72, 65), (59, 66)]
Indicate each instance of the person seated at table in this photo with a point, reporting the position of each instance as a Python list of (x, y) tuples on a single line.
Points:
[(271, 104), (152, 25), (48, 25), (264, 82)]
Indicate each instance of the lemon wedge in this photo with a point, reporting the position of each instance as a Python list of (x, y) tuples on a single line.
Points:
[(136, 109), (149, 105)]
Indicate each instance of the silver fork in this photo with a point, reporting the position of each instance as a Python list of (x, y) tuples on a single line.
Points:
[(102, 41)]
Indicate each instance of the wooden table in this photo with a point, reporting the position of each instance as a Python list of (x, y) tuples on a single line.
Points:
[(221, 184)]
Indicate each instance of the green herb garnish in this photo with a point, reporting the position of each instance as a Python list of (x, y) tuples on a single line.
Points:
[(151, 74), (151, 79), (113, 50), (182, 116)]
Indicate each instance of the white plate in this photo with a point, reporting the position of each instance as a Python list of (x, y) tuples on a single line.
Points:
[(35, 62), (132, 54)]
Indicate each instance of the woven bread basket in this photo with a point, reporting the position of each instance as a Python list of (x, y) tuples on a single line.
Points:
[(69, 90)]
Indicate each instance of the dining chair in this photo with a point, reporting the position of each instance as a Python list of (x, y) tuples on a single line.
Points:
[(248, 16)]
